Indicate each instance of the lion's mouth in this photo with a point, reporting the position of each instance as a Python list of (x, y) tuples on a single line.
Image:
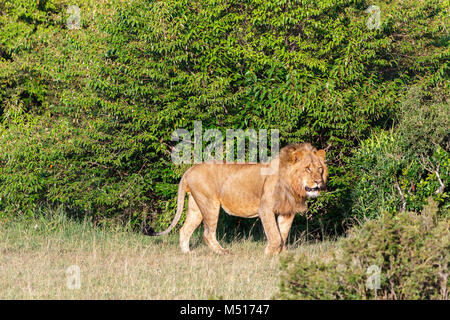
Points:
[(312, 189)]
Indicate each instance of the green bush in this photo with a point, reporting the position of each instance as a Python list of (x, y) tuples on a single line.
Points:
[(401, 168), (424, 123), (408, 251), (135, 72)]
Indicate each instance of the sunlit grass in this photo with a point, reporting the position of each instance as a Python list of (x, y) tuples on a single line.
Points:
[(120, 264)]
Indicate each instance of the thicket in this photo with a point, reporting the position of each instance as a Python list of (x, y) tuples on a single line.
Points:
[(398, 256), (401, 168), (87, 115)]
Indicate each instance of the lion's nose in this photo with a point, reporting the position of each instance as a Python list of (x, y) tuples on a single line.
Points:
[(318, 182)]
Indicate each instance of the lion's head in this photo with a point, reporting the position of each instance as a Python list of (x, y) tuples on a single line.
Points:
[(303, 174)]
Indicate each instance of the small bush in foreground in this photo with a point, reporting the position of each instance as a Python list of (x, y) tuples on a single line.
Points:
[(402, 256)]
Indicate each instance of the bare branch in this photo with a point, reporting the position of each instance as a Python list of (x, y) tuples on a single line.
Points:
[(328, 147), (403, 207), (433, 170), (442, 187)]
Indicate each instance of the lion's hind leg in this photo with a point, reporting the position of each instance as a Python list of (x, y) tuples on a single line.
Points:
[(193, 220), (210, 212)]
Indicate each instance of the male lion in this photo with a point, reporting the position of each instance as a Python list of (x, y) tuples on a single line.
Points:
[(250, 190)]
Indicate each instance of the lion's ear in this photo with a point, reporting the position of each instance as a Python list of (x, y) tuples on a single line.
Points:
[(321, 154), (296, 156)]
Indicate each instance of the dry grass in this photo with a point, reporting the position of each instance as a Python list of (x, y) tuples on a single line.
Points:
[(117, 264)]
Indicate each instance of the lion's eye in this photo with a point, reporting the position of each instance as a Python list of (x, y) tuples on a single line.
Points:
[(320, 169), (308, 169)]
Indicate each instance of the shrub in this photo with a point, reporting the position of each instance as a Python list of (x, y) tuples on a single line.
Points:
[(401, 168), (408, 251), (424, 123)]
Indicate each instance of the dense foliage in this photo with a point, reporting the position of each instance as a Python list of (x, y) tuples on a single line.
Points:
[(399, 256), (87, 114), (399, 169)]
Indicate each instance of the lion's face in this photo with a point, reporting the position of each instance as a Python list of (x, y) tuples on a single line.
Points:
[(310, 173)]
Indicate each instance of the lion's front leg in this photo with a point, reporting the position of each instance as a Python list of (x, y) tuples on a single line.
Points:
[(284, 225), (275, 242)]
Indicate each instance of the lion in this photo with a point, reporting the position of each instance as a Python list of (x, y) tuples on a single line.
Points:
[(279, 187)]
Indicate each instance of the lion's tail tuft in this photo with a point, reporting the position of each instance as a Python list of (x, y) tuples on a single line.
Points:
[(148, 230)]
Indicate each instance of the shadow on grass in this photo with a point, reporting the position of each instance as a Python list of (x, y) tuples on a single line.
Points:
[(231, 229)]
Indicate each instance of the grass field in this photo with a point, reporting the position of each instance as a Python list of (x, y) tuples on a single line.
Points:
[(119, 264)]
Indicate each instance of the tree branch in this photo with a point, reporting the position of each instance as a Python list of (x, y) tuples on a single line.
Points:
[(442, 187), (403, 207)]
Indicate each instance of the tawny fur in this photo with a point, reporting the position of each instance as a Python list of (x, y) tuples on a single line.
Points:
[(262, 190)]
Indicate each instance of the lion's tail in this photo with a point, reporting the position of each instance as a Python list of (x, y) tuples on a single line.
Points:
[(182, 188)]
